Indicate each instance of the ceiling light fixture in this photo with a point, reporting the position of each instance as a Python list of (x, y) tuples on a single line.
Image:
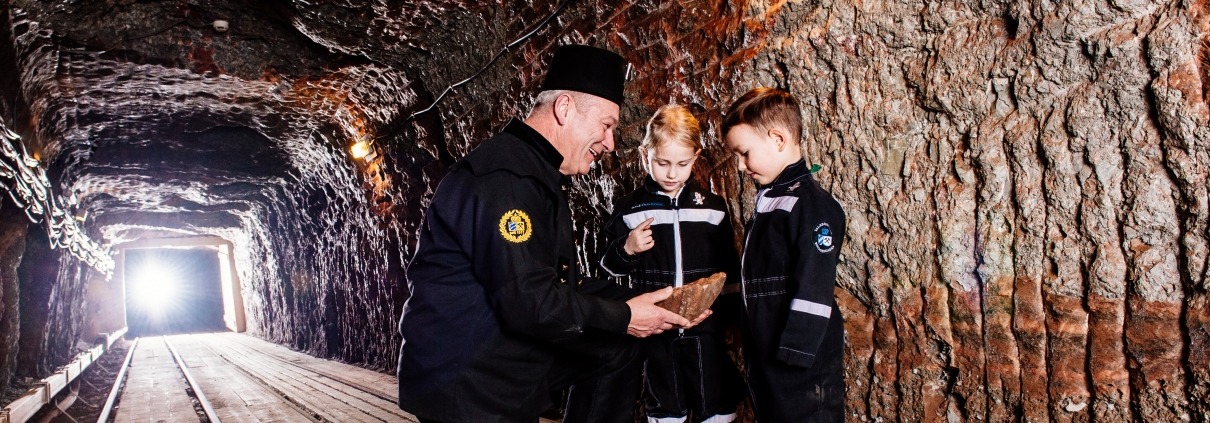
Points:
[(360, 150)]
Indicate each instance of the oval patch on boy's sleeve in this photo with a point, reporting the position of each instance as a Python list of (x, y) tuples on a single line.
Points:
[(823, 238), (515, 226)]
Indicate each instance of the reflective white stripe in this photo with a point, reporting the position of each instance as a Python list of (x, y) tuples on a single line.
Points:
[(765, 204), (667, 420), (701, 215), (720, 418), (665, 217), (662, 217), (730, 288), (810, 308)]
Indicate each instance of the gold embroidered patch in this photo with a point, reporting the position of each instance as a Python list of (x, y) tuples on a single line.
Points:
[(515, 226)]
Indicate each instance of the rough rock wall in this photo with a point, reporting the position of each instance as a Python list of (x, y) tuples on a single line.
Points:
[(1025, 184), (12, 246), (52, 307)]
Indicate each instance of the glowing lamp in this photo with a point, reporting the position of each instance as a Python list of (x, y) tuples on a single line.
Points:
[(360, 150)]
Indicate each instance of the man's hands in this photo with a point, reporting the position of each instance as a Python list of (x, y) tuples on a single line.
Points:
[(640, 238), (648, 319)]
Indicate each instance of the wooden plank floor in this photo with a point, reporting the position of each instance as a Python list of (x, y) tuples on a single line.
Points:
[(250, 380), (155, 388), (330, 399), (235, 396)]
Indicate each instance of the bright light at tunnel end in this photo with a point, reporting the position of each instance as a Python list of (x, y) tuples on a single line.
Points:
[(155, 287)]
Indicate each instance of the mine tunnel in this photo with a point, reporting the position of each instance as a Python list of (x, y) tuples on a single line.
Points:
[(208, 209)]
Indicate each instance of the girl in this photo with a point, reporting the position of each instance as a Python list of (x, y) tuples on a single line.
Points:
[(668, 233)]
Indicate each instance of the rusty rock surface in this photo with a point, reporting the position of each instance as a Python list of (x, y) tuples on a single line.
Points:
[(1025, 181)]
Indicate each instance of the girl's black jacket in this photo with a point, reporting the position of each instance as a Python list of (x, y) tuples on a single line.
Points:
[(693, 239)]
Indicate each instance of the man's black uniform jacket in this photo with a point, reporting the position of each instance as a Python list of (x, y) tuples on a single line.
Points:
[(795, 338), (496, 296)]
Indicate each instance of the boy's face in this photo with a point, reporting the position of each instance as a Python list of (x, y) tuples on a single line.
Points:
[(760, 154), (670, 165)]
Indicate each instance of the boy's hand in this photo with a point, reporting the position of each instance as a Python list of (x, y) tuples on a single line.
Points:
[(640, 238), (648, 319)]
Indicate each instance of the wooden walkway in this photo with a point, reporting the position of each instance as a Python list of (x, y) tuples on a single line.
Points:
[(249, 380), (245, 379)]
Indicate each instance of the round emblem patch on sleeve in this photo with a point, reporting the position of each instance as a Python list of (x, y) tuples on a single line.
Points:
[(823, 238), (515, 226)]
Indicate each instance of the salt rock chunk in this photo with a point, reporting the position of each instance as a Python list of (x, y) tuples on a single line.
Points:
[(691, 300)]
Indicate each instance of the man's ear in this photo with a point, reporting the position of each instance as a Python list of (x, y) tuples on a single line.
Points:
[(562, 108), (779, 138)]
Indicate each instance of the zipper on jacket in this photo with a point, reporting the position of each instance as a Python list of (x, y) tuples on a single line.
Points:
[(676, 242), (743, 258)]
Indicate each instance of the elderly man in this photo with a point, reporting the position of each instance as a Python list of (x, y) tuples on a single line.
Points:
[(499, 314)]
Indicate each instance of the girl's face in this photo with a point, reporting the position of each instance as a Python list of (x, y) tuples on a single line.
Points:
[(670, 164)]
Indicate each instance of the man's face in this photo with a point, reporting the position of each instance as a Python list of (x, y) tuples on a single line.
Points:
[(756, 153), (590, 132)]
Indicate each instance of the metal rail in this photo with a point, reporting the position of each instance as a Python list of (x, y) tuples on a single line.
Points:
[(197, 389), (23, 408), (117, 384)]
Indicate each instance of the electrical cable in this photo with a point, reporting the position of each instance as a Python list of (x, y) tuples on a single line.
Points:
[(515, 43)]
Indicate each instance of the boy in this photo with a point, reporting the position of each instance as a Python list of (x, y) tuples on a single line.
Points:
[(794, 337), (671, 232)]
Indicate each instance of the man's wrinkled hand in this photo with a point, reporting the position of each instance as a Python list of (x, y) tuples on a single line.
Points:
[(648, 319)]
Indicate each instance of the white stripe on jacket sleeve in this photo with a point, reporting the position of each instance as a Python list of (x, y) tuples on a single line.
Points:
[(810, 308)]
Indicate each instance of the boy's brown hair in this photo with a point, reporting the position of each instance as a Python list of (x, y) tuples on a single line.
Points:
[(765, 108), (673, 123)]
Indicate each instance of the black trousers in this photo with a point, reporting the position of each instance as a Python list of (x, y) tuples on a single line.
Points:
[(690, 373), (604, 386), (782, 393), (603, 374)]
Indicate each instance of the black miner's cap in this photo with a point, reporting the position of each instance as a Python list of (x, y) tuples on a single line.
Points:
[(588, 70)]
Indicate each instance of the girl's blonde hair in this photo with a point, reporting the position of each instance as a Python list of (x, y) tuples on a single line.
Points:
[(673, 123)]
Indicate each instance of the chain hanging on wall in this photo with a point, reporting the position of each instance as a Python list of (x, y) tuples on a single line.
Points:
[(24, 179)]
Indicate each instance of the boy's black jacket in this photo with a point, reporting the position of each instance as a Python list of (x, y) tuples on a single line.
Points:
[(790, 255), (694, 226)]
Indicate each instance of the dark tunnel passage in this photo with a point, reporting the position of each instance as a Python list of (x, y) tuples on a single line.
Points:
[(1025, 181), (170, 291)]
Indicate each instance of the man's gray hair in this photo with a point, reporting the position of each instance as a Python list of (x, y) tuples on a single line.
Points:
[(547, 98)]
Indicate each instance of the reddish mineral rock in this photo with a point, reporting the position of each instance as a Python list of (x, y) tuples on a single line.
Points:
[(691, 300)]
